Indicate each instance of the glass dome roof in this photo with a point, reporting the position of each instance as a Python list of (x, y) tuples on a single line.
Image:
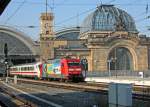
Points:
[(108, 18), (68, 34)]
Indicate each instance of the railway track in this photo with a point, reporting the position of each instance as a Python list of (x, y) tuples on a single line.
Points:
[(139, 92), (9, 98), (70, 86), (2, 104)]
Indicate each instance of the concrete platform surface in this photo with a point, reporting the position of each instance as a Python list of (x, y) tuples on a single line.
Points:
[(120, 79)]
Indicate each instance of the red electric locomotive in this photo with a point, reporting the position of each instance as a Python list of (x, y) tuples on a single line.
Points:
[(62, 69)]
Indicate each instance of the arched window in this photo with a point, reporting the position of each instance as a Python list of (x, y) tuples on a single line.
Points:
[(120, 58)]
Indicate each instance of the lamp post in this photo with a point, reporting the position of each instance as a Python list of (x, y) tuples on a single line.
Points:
[(84, 63), (6, 64), (6, 60), (109, 61)]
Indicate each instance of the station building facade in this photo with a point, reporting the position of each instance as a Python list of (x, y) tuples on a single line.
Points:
[(107, 38)]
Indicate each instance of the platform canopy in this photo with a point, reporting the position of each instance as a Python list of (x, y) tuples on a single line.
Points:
[(21, 48)]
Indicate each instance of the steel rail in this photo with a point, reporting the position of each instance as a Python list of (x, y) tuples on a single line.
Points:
[(18, 100), (139, 92)]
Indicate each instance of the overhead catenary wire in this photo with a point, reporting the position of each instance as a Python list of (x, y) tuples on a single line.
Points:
[(63, 3), (146, 17), (31, 2), (77, 4), (147, 8), (37, 26), (46, 7), (140, 20), (73, 17), (145, 13), (111, 1), (131, 4), (128, 4), (15, 12)]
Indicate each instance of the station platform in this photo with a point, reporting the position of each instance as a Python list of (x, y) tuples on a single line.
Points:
[(120, 79)]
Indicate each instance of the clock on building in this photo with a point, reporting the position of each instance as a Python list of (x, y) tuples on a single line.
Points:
[(46, 25), (47, 28)]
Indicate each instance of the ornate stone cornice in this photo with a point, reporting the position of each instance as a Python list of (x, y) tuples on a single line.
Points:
[(46, 38), (145, 41), (106, 38)]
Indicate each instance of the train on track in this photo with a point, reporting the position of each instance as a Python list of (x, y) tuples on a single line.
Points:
[(62, 69)]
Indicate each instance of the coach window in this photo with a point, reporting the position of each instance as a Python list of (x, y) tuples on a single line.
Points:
[(62, 64), (28, 68), (31, 68), (21, 69), (15, 69)]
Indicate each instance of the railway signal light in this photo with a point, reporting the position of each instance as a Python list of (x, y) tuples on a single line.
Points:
[(6, 50), (3, 5), (84, 63)]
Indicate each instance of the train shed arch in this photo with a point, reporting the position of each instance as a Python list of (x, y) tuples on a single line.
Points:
[(21, 49)]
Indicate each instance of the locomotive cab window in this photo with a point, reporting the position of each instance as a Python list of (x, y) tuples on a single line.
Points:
[(62, 65), (73, 64)]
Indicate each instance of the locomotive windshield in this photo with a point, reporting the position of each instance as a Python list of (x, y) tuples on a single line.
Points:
[(73, 64)]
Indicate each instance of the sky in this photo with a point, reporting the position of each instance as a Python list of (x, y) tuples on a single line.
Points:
[(22, 14)]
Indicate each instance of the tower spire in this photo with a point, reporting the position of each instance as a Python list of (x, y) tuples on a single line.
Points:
[(46, 35), (46, 7)]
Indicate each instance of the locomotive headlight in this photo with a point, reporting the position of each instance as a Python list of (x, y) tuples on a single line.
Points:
[(70, 69), (78, 69)]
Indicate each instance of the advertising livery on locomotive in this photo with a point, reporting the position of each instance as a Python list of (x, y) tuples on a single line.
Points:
[(63, 69)]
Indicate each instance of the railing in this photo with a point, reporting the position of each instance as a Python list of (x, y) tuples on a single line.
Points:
[(144, 74)]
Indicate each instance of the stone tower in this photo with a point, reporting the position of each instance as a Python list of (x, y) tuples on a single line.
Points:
[(46, 36)]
